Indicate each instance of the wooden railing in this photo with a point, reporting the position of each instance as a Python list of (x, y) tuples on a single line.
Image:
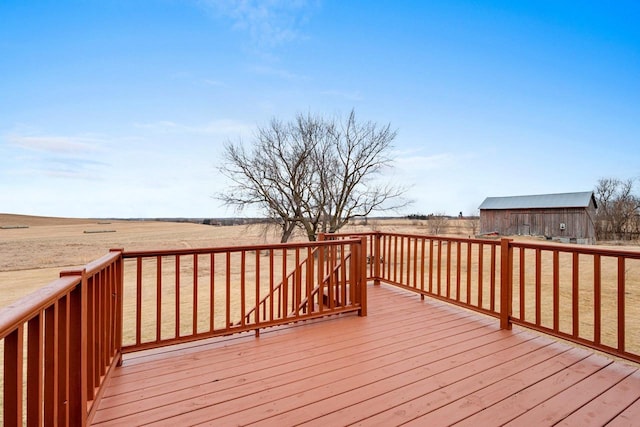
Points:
[(586, 294), (60, 343), (189, 294)]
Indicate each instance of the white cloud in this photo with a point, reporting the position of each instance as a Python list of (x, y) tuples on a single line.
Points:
[(68, 157), (268, 22), (56, 144)]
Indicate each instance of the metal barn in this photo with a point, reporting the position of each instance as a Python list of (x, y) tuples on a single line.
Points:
[(568, 217)]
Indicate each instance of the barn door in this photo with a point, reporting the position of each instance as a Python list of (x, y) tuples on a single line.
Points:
[(520, 224)]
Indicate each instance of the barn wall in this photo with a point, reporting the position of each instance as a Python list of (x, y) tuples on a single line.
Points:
[(579, 222)]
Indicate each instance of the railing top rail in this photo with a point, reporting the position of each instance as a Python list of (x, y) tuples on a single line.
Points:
[(360, 233), (588, 250), (30, 305), (223, 249), (495, 242)]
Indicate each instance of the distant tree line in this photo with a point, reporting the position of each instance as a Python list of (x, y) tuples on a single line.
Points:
[(428, 217), (618, 213)]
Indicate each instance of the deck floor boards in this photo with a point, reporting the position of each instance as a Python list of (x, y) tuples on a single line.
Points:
[(410, 361)]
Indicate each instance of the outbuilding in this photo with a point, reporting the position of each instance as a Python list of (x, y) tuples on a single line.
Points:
[(567, 217)]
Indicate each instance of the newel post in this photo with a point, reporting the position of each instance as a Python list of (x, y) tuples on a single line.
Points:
[(77, 404), (362, 273), (376, 259), (119, 277), (506, 283)]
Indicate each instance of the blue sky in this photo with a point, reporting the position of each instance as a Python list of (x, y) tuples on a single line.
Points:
[(121, 108)]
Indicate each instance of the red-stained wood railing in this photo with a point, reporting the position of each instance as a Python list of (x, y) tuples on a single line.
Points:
[(60, 343), (176, 296), (586, 294), (465, 272)]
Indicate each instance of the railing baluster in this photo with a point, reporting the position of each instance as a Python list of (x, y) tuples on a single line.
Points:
[(480, 273), (257, 285), (93, 376), (395, 258), (621, 304), (158, 299), (597, 298), (310, 272), (401, 265), (177, 292), (430, 266), (228, 291), (556, 290), (343, 278), (138, 301), (285, 287), (422, 261), (469, 268), (391, 260), (212, 292), (448, 270), (415, 263), (575, 295), (298, 284), (492, 286), (51, 370), (538, 286), (439, 268), (458, 268), (271, 280), (13, 349), (195, 294), (63, 360), (35, 375), (521, 288), (243, 290)]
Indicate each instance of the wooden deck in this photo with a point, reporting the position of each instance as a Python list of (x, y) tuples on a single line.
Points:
[(409, 361)]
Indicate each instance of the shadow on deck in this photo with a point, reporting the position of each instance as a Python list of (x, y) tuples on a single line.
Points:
[(434, 364)]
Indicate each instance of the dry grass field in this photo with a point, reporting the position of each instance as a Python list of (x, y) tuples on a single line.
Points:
[(35, 249)]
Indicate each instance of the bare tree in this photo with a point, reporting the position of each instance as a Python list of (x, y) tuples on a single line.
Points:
[(437, 222), (618, 208), (474, 224), (313, 173)]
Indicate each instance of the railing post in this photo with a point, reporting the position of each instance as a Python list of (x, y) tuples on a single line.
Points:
[(119, 272), (362, 273), (376, 258), (77, 350), (506, 289)]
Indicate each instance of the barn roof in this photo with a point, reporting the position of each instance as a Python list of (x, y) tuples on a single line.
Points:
[(540, 201)]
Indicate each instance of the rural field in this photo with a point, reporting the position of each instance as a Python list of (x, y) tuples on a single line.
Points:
[(34, 250)]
